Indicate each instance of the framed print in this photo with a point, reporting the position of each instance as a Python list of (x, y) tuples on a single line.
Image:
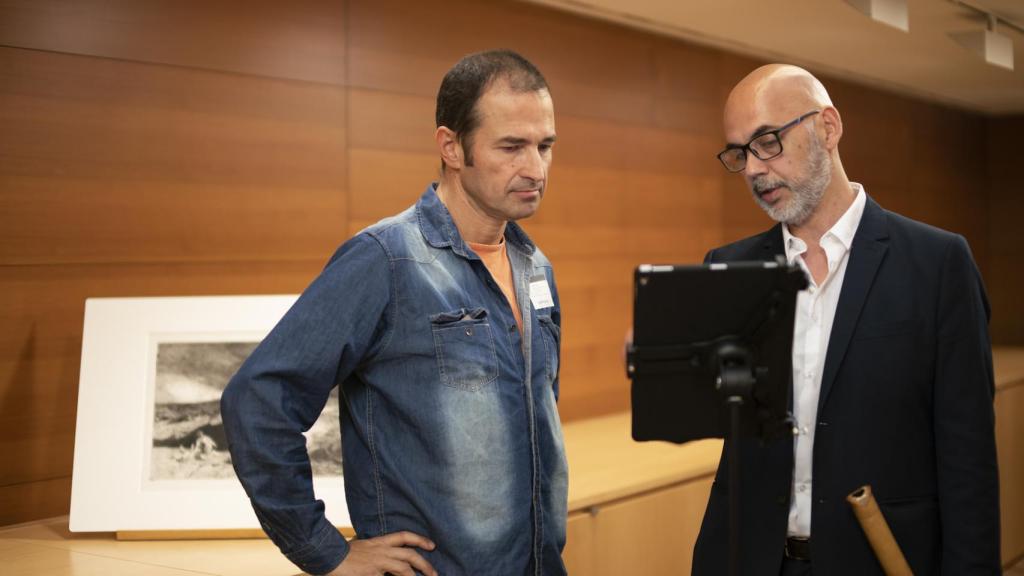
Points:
[(150, 449)]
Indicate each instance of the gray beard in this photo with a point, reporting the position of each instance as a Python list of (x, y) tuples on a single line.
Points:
[(806, 193)]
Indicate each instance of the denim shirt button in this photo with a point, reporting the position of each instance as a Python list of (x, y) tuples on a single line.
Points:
[(469, 330)]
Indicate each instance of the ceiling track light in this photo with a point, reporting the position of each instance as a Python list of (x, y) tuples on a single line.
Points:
[(889, 12), (994, 48)]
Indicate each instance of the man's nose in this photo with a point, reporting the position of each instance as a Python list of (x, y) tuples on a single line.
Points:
[(755, 166), (533, 165)]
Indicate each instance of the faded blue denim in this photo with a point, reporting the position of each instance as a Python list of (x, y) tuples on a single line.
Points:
[(446, 432)]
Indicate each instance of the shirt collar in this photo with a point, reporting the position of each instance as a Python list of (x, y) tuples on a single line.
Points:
[(438, 227), (842, 231)]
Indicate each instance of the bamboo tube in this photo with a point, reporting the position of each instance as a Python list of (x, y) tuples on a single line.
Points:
[(877, 530)]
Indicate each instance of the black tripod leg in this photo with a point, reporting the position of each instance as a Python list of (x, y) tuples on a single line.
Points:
[(735, 403)]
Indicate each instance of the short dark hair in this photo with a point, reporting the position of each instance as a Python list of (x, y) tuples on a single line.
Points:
[(469, 79)]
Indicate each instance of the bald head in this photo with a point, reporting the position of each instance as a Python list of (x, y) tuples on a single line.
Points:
[(770, 95), (794, 174)]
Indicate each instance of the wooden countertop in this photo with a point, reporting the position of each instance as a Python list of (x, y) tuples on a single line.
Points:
[(605, 464), (47, 547)]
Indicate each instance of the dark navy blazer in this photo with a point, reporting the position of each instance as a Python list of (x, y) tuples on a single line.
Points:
[(905, 406)]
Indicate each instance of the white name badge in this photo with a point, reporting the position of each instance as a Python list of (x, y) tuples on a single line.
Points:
[(540, 293)]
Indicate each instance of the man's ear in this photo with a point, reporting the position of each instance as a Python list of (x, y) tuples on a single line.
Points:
[(833, 125), (449, 147)]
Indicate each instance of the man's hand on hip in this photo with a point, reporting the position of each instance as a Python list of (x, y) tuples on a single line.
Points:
[(389, 554)]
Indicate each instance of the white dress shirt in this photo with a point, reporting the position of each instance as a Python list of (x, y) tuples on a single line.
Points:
[(815, 311)]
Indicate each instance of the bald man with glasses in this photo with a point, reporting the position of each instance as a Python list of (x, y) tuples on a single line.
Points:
[(892, 380)]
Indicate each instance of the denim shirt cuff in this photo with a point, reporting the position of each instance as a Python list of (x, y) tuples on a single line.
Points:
[(324, 553)]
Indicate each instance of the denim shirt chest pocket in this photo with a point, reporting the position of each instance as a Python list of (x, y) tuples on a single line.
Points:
[(551, 335), (466, 355)]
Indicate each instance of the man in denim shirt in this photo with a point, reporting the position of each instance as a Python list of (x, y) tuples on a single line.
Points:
[(441, 326)]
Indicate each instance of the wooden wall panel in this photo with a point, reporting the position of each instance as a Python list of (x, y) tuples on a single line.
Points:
[(1005, 278), (45, 498), (298, 40), (948, 186), (391, 121), (691, 84), (385, 182), (878, 143), (588, 64), (106, 160), (596, 295)]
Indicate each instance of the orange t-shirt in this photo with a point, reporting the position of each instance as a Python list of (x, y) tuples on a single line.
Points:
[(495, 258)]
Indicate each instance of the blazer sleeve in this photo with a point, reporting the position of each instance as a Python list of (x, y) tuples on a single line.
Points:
[(968, 481)]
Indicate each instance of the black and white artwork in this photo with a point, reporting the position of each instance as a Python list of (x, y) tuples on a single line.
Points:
[(188, 440), (150, 451)]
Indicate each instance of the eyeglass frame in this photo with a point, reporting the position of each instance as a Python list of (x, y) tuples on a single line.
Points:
[(777, 132)]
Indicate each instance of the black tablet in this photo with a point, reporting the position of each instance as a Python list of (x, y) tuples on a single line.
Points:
[(705, 333)]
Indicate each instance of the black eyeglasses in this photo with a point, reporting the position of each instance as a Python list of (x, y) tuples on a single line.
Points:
[(764, 146)]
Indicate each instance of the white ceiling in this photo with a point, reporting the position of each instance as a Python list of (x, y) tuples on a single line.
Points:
[(829, 36)]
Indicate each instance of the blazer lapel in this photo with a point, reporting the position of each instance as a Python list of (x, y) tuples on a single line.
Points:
[(771, 245), (870, 244)]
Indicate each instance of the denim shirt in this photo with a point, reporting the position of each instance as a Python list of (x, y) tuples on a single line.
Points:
[(449, 415)]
